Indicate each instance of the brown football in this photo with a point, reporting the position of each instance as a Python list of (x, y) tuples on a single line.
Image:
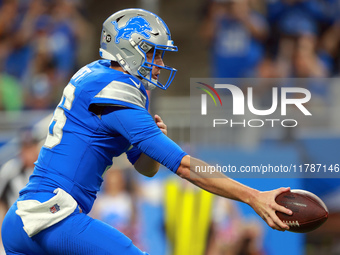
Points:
[(309, 211)]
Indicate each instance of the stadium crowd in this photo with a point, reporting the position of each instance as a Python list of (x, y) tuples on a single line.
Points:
[(277, 38), (42, 43), (274, 39)]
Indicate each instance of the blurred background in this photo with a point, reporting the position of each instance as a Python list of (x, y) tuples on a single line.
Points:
[(43, 42)]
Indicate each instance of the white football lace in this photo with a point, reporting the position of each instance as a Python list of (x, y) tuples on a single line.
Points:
[(292, 223)]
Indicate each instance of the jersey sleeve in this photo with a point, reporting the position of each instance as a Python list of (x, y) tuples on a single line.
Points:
[(139, 128), (133, 154), (121, 93)]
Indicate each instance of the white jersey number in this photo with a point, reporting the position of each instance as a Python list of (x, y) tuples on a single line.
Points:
[(55, 130)]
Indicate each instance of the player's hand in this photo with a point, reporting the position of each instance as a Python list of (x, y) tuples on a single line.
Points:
[(161, 124), (264, 205)]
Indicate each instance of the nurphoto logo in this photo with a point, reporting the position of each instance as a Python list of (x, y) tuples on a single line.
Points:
[(281, 98)]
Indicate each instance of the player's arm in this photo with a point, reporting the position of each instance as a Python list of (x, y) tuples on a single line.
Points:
[(151, 146), (146, 165), (139, 128), (217, 183)]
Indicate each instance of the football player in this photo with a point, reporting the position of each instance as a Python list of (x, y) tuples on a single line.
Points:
[(103, 113)]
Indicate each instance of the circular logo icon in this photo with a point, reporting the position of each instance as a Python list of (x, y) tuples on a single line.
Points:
[(108, 38)]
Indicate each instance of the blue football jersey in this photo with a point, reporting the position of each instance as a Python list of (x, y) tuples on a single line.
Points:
[(77, 150)]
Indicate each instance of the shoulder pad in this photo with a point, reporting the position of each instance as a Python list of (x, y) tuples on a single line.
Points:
[(123, 92)]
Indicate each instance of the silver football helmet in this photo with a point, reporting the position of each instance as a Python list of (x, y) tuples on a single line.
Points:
[(128, 35)]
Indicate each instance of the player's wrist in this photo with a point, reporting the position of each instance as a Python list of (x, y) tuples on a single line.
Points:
[(251, 197)]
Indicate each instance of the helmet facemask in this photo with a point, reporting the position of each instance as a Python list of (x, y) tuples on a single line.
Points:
[(153, 58)]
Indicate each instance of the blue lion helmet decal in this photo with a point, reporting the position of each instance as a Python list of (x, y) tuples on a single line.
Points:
[(134, 25)]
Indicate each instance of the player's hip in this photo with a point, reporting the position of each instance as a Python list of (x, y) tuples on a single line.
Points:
[(16, 239), (76, 234)]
